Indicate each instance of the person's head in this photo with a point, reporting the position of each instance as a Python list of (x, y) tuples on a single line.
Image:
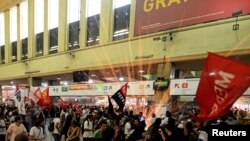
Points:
[(74, 123), (18, 119), (103, 125), (135, 122), (157, 122), (21, 137), (38, 123)]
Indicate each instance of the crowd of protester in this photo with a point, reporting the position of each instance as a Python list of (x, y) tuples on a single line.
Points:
[(96, 123)]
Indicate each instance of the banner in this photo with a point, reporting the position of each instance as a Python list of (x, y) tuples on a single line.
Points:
[(111, 111), (19, 98), (222, 82), (120, 96), (35, 96), (44, 100), (100, 89), (159, 15)]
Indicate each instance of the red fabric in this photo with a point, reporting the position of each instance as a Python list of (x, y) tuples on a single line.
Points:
[(37, 95), (62, 103), (222, 82), (77, 107), (120, 96), (45, 99)]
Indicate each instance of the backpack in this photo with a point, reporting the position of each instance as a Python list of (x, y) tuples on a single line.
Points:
[(51, 126)]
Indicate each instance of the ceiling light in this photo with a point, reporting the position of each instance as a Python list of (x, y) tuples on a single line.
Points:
[(121, 79), (141, 71), (65, 83), (90, 81)]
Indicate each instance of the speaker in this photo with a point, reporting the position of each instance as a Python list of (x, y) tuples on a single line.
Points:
[(79, 76)]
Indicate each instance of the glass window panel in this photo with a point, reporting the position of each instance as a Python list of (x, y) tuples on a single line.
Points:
[(2, 54), (2, 37), (2, 31), (13, 24), (73, 23), (93, 7), (24, 48), (14, 51), (120, 3), (24, 29), (93, 17), (39, 26), (73, 10), (53, 6), (24, 19), (39, 16), (121, 19), (53, 13)]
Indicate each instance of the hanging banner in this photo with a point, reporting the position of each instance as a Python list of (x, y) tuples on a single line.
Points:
[(185, 87), (158, 15), (134, 88)]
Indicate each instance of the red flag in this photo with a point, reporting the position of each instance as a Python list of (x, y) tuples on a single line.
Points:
[(77, 107), (222, 82), (62, 103), (45, 99), (120, 96), (37, 95)]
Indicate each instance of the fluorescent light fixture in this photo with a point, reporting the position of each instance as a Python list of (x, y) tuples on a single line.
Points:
[(121, 79)]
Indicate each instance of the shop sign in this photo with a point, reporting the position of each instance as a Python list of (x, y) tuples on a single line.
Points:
[(134, 88), (188, 87)]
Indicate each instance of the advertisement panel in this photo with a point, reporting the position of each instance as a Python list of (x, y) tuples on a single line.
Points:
[(158, 15), (188, 87), (134, 88)]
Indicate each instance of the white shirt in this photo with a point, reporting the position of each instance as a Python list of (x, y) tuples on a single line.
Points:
[(36, 132), (2, 129), (56, 121), (127, 128), (88, 125)]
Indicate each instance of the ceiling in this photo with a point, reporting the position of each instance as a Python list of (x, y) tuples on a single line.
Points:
[(5, 4)]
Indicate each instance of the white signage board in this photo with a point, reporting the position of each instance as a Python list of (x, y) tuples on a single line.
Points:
[(134, 88), (188, 86)]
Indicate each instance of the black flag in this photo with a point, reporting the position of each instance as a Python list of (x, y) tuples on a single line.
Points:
[(111, 111), (120, 96)]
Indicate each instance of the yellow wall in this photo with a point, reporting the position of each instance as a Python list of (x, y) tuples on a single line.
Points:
[(191, 42)]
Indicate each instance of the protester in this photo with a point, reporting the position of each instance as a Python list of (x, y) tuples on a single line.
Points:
[(36, 132), (15, 128), (21, 137), (73, 132)]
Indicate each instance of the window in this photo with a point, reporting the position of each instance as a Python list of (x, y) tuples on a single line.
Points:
[(73, 23), (13, 32), (121, 19), (53, 25), (24, 29), (93, 17), (2, 37), (39, 26)]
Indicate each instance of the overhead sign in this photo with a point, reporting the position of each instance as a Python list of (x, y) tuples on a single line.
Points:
[(159, 15), (188, 87), (134, 88)]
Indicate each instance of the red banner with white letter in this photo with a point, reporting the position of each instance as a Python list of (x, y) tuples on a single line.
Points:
[(222, 82)]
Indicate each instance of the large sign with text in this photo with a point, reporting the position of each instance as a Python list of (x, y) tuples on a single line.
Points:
[(159, 15), (134, 88), (187, 87)]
